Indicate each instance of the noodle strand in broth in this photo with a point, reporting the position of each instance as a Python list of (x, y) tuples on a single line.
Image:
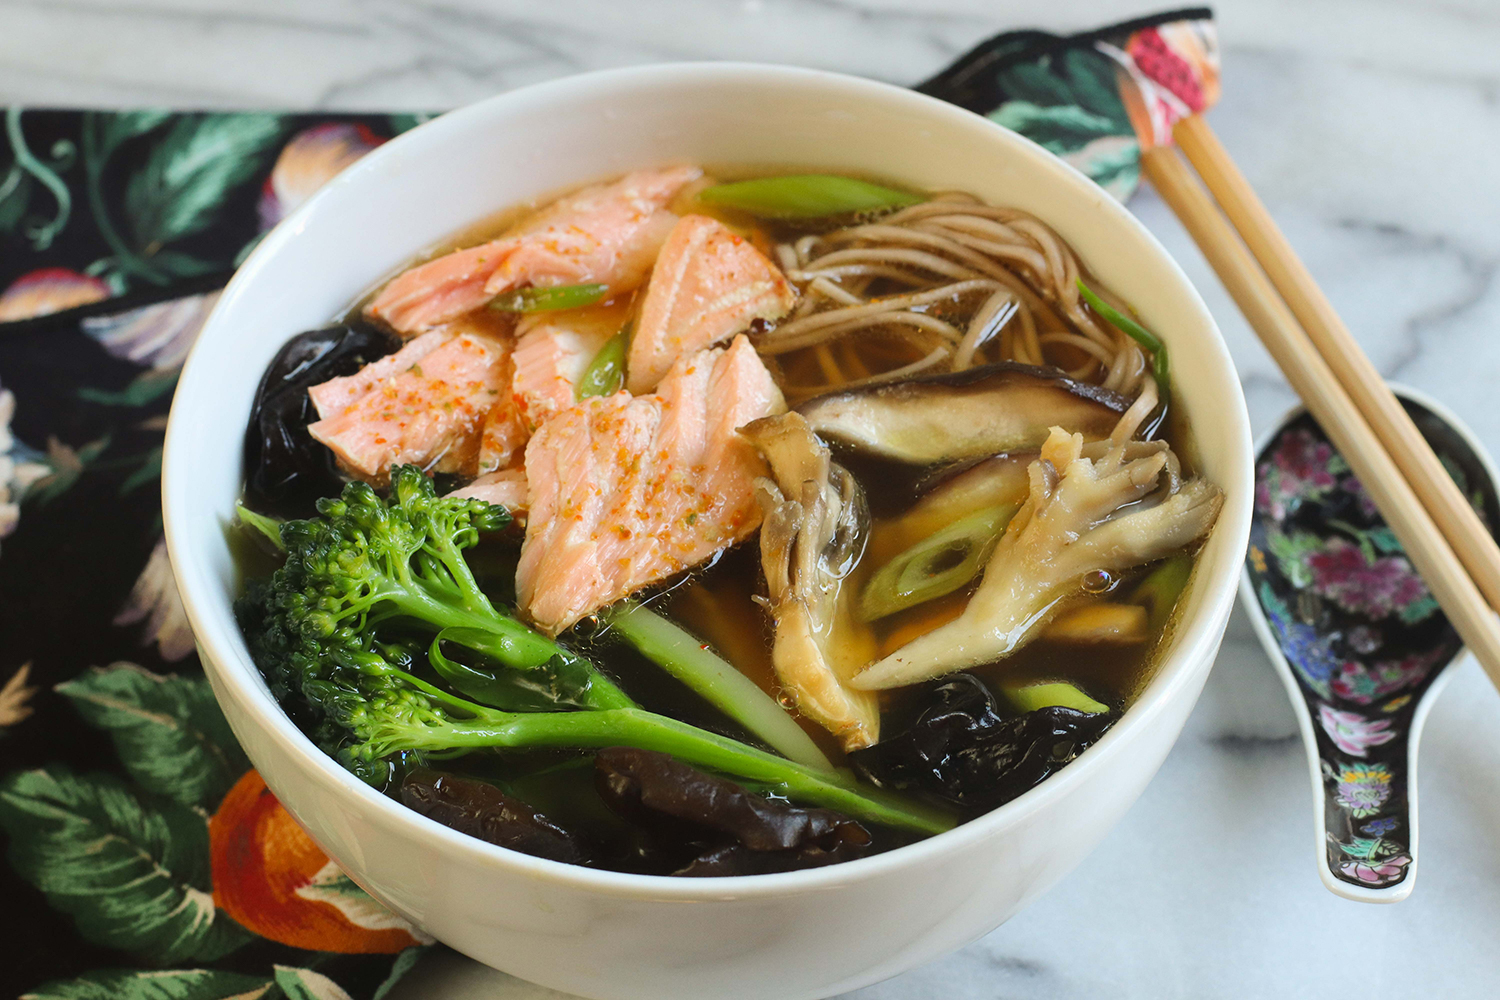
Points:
[(1008, 280)]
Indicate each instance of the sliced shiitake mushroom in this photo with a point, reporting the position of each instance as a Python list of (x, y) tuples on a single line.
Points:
[(983, 411)]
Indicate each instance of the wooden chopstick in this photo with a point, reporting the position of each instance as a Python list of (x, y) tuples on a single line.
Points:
[(1457, 520), (1330, 404)]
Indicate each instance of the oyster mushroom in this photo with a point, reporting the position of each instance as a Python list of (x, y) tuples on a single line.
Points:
[(1071, 524), (976, 413), (812, 535)]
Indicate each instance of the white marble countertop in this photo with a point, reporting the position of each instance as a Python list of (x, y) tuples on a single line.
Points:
[(1372, 130)]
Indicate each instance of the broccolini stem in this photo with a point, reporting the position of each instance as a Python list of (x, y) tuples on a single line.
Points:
[(514, 644), (684, 656), (474, 599), (647, 731), (509, 641)]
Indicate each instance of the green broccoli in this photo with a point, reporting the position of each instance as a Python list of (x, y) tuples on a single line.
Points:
[(370, 593)]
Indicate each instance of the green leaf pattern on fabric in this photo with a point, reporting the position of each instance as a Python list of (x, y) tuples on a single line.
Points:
[(15, 197), (173, 984), (199, 160), (400, 967), (168, 730), (330, 885), (115, 129), (1058, 128), (145, 388), (45, 172), (134, 202), (305, 984), (1070, 105), (66, 464), (149, 471), (406, 122), (131, 869)]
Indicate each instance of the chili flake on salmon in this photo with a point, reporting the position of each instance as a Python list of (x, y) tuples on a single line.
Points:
[(605, 233), (333, 396), (709, 284), (426, 409), (626, 490), (504, 434)]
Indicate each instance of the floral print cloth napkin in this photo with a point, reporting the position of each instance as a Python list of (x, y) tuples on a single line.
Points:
[(145, 859)]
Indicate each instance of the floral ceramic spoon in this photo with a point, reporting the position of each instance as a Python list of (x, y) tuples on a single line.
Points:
[(1360, 643)]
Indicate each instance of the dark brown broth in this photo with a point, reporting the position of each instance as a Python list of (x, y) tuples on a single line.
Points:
[(718, 603)]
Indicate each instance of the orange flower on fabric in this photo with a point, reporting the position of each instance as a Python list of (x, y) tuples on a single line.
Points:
[(271, 878)]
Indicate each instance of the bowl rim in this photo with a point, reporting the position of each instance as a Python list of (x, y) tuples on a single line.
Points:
[(1195, 643)]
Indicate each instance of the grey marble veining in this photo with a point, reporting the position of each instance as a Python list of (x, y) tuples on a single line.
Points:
[(1372, 130)]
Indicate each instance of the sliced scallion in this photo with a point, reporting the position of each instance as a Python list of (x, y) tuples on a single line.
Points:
[(1159, 591), (1160, 369), (549, 299), (606, 373), (937, 565), (1049, 694), (807, 196)]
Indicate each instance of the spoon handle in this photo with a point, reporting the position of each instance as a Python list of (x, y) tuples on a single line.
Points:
[(1364, 795), (1364, 808)]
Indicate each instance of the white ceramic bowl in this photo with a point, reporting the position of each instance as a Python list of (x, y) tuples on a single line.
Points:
[(609, 935)]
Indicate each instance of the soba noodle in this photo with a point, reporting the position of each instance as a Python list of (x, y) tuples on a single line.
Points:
[(951, 283)]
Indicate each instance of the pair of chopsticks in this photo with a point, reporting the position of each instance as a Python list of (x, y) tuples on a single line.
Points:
[(1442, 535)]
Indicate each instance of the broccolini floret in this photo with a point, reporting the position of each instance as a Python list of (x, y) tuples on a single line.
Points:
[(350, 633)]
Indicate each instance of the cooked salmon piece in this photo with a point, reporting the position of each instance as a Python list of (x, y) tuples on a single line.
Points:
[(627, 490), (429, 413), (608, 233), (337, 393), (437, 291), (553, 350), (504, 433), (605, 233), (709, 284), (506, 488), (502, 436)]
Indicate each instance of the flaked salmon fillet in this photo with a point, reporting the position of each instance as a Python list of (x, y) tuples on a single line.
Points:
[(504, 433), (552, 353), (605, 233), (626, 491), (506, 488), (337, 393), (709, 284), (428, 413)]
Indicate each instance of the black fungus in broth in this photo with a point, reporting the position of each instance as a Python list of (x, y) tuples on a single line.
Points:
[(683, 629)]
